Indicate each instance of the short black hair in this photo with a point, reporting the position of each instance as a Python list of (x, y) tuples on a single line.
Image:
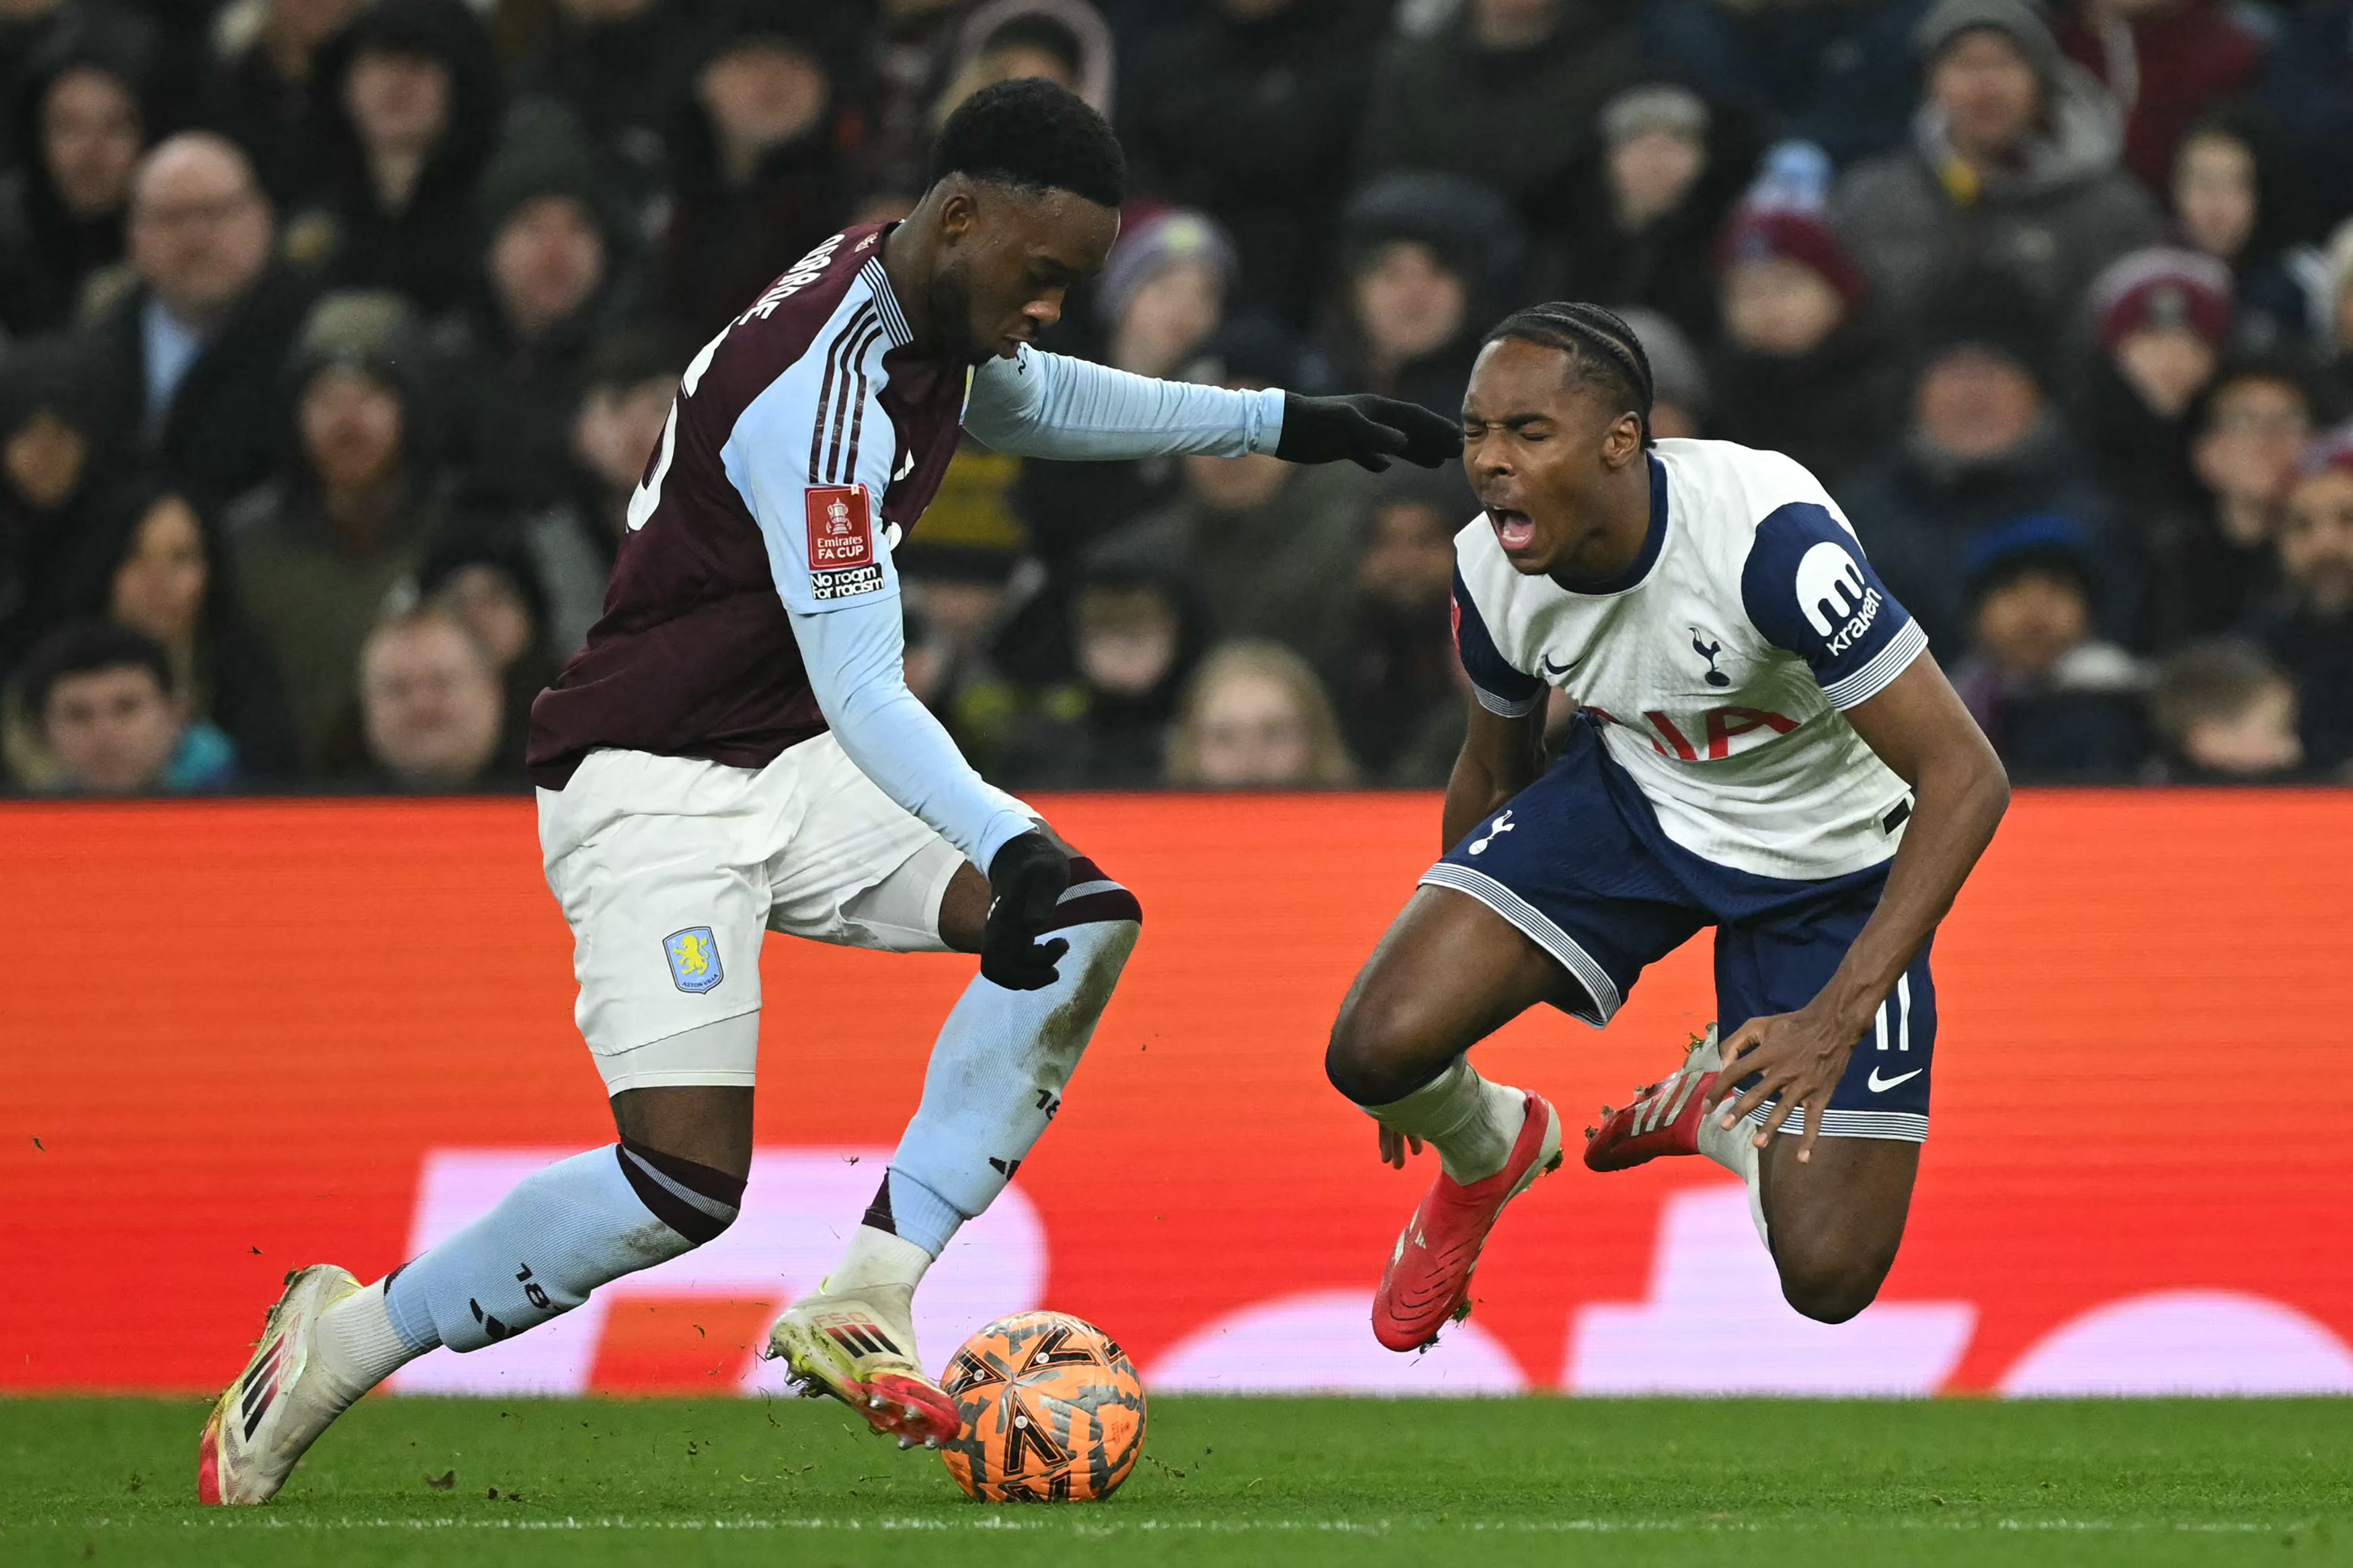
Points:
[(1035, 134), (85, 649), (1602, 349)]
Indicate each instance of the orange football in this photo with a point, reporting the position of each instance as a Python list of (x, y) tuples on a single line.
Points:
[(1052, 1411)]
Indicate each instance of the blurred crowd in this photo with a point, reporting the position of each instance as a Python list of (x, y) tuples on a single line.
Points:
[(334, 336)]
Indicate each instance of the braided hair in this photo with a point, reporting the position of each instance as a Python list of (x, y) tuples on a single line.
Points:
[(1603, 350)]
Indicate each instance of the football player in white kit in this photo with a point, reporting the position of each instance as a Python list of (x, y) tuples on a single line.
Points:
[(1761, 744)]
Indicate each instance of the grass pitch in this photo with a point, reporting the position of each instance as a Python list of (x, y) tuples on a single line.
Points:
[(1307, 1481)]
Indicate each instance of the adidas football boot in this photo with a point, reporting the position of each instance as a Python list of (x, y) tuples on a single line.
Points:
[(860, 1347), (1664, 1117), (282, 1401), (1428, 1283)]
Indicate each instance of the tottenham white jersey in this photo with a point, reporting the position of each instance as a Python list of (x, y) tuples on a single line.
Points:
[(1717, 664)]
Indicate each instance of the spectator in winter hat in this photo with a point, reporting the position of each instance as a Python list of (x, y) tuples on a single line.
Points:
[(1670, 170), (2012, 164), (546, 291), (1680, 398), (1656, 142), (320, 550), (2164, 61), (2164, 315), (2058, 702), (1983, 443), (2162, 318), (1163, 289), (1804, 369), (1426, 260), (2310, 629), (2224, 713)]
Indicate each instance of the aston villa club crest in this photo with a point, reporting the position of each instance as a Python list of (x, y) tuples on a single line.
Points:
[(693, 955)]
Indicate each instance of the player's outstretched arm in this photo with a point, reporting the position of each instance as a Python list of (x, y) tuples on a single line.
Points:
[(1049, 405), (1919, 726)]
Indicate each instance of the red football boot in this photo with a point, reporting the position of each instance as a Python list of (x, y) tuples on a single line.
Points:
[(1663, 1120), (1428, 1283)]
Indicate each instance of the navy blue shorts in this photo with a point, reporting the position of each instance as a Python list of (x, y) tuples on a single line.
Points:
[(1577, 862)]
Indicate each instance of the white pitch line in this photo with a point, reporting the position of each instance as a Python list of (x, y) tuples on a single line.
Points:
[(1096, 1526)]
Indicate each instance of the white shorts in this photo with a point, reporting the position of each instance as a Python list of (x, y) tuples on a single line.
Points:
[(670, 869)]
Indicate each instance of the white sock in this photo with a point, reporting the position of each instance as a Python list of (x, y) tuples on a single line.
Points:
[(357, 1345), (1736, 1149), (878, 1257), (1471, 1123)]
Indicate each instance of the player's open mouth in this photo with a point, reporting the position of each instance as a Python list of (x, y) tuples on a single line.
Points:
[(1514, 531)]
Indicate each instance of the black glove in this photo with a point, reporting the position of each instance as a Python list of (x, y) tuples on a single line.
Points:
[(1367, 430), (1025, 881)]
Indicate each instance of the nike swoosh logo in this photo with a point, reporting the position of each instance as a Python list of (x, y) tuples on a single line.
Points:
[(1545, 663), (1881, 1086)]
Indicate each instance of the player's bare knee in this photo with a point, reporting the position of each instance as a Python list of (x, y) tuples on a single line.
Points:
[(1828, 1285), (708, 1125), (1383, 1049)]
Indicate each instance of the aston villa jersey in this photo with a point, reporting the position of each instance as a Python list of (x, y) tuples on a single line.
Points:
[(814, 390)]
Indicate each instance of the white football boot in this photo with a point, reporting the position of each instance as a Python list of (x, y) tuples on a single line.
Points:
[(859, 1346), (281, 1402)]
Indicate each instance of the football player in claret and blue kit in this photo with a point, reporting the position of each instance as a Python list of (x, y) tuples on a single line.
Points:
[(735, 752), (1761, 744)]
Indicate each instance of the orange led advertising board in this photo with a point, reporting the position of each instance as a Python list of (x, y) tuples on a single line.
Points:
[(246, 1035)]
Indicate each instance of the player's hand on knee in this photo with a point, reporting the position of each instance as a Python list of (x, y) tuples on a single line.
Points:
[(1025, 881), (1798, 1057), (1394, 1145), (1365, 429)]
